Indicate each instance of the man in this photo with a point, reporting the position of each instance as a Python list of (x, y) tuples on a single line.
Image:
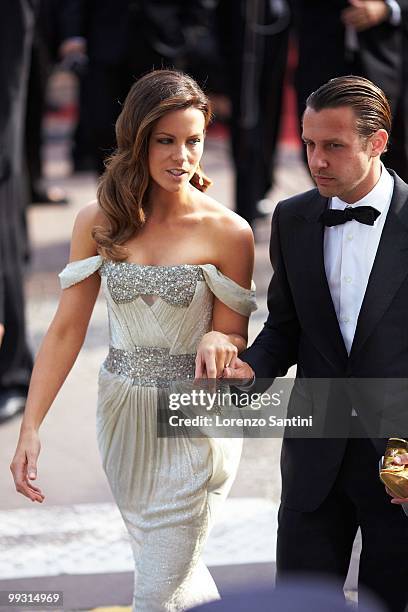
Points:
[(337, 305)]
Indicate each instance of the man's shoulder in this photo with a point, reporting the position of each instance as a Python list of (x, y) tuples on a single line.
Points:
[(399, 183), (296, 204)]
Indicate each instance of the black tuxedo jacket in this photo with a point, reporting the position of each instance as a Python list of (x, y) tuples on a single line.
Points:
[(323, 54), (302, 327)]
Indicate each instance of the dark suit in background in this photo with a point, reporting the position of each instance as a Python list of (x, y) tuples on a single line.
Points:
[(43, 56), (253, 40), (332, 485), (397, 156), (324, 54), (16, 27), (125, 39)]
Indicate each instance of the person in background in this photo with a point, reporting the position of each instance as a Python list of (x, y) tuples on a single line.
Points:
[(253, 41), (397, 156), (122, 40), (16, 31), (43, 56), (361, 37)]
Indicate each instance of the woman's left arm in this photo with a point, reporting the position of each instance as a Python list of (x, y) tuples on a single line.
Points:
[(229, 332)]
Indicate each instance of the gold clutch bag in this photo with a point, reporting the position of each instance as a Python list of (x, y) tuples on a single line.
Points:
[(395, 477)]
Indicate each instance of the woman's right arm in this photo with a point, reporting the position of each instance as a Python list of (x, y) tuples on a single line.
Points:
[(56, 356)]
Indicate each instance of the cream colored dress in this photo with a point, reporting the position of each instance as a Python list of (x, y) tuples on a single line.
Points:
[(167, 489)]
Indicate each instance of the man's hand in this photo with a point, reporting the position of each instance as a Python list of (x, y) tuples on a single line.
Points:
[(239, 370), (364, 14), (1, 333), (399, 460)]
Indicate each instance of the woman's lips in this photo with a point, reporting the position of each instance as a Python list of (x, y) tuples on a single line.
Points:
[(177, 175)]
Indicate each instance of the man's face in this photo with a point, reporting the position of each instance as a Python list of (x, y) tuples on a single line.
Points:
[(340, 161)]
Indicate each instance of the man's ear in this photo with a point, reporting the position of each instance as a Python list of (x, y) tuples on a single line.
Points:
[(379, 141)]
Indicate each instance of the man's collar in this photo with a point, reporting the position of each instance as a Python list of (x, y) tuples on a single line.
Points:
[(379, 196)]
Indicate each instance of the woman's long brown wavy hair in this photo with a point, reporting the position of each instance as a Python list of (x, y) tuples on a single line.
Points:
[(124, 186)]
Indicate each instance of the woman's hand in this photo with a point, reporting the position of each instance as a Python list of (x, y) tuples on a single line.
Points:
[(1, 333), (399, 460), (24, 465), (215, 352)]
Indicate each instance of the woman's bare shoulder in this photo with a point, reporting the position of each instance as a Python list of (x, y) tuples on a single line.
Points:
[(82, 243), (220, 219), (90, 215), (232, 238)]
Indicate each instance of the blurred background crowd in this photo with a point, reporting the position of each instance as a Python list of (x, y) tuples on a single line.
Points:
[(257, 59)]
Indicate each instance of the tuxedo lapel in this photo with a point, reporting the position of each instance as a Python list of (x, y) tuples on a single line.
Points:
[(313, 298), (389, 269)]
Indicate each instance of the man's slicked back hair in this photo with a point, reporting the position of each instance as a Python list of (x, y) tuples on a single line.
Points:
[(369, 103)]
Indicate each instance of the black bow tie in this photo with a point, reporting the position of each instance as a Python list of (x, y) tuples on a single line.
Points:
[(362, 214)]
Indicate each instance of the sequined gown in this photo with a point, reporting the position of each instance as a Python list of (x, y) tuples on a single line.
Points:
[(167, 489)]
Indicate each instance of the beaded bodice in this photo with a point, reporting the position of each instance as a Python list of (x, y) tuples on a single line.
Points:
[(158, 314), (174, 284)]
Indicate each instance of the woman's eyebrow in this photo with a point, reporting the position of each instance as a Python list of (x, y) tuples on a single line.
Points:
[(173, 136)]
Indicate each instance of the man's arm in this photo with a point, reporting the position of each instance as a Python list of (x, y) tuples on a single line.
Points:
[(364, 14), (275, 349)]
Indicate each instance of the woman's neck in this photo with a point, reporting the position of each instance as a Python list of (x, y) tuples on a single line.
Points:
[(164, 205)]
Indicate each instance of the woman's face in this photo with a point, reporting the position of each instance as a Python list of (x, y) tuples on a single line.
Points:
[(175, 148)]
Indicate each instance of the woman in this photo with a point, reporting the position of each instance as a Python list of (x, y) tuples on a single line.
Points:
[(175, 267)]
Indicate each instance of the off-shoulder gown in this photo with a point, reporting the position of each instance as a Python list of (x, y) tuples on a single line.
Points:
[(167, 489)]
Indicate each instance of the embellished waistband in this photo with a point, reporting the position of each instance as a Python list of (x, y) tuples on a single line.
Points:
[(150, 366)]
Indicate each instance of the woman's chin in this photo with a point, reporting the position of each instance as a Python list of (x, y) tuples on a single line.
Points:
[(174, 187)]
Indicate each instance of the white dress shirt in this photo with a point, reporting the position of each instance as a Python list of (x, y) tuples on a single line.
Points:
[(349, 253)]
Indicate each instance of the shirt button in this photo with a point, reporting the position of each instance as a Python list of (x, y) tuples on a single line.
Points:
[(344, 319), (349, 237), (348, 279)]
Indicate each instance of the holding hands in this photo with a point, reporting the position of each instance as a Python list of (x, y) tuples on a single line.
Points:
[(215, 352), (217, 358), (239, 370)]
